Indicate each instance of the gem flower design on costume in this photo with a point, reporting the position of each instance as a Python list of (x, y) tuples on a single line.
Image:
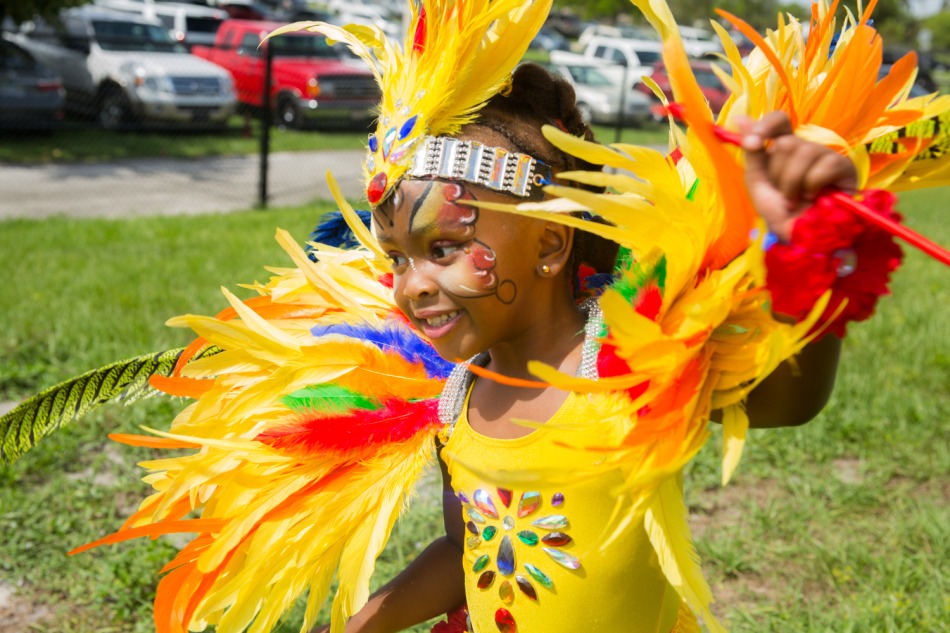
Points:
[(493, 528)]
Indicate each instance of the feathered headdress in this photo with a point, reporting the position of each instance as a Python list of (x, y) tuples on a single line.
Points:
[(456, 55)]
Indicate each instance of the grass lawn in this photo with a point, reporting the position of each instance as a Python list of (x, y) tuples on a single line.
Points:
[(837, 526), (76, 143)]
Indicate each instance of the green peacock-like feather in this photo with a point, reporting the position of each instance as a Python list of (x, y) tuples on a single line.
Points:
[(53, 408)]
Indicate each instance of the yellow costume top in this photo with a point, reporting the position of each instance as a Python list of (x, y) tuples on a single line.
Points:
[(534, 557)]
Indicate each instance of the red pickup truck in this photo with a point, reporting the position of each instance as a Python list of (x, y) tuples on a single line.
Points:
[(311, 82)]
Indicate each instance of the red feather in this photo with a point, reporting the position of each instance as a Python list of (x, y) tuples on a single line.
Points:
[(419, 40), (395, 421)]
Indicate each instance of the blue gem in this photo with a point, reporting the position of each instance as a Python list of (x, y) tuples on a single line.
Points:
[(506, 557), (406, 128), (373, 143)]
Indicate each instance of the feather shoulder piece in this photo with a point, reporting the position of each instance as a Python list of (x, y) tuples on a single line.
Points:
[(456, 55), (834, 88), (308, 431)]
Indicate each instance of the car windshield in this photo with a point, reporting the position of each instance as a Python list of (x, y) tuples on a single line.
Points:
[(12, 57), (303, 46), (588, 76), (135, 36)]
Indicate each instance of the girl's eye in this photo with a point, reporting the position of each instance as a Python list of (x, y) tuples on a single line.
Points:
[(398, 260), (441, 251)]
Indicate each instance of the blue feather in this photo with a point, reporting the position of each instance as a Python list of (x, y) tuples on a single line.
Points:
[(333, 231), (393, 337)]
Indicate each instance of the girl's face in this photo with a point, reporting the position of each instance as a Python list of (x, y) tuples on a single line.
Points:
[(465, 277)]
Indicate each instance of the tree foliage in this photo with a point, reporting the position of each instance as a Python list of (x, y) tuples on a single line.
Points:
[(892, 18), (23, 10)]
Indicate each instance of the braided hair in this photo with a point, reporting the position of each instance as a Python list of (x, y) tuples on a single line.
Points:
[(538, 98)]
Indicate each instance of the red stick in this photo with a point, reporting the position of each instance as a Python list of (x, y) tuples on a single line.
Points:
[(896, 229)]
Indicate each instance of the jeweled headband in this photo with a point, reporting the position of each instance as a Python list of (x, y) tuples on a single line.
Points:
[(470, 161), (456, 55)]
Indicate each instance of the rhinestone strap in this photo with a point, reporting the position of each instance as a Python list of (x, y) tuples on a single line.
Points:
[(456, 385), (474, 162)]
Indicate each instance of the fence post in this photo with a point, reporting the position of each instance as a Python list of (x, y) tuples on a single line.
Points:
[(623, 101), (265, 124)]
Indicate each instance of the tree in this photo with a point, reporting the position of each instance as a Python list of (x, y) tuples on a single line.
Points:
[(23, 10)]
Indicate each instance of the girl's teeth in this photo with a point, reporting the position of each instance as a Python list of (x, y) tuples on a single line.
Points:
[(441, 319)]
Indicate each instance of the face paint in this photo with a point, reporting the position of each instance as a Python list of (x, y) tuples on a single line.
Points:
[(471, 275)]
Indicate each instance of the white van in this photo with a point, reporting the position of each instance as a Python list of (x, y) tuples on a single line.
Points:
[(189, 24)]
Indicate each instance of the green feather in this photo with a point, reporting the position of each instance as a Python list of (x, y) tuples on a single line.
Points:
[(40, 415), (328, 398)]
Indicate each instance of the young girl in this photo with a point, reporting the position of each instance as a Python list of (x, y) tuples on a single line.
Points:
[(503, 289), (316, 407)]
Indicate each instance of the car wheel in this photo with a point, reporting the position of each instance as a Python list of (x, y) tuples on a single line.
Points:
[(114, 110), (288, 114), (585, 112)]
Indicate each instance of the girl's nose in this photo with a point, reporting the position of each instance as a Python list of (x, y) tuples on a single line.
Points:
[(417, 282)]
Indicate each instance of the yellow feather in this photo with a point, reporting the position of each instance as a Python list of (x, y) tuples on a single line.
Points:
[(668, 531)]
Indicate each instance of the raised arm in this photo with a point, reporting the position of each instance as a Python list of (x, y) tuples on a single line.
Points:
[(784, 175)]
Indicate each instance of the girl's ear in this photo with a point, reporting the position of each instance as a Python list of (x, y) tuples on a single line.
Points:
[(557, 241)]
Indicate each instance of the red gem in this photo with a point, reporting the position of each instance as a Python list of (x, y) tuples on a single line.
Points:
[(377, 187), (505, 497), (486, 579), (557, 539), (505, 621), (526, 587)]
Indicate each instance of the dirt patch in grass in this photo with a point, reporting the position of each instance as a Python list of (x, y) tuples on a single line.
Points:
[(724, 507), (18, 612)]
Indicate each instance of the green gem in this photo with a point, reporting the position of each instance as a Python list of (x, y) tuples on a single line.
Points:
[(473, 542), (481, 562), (539, 575), (489, 532), (528, 537)]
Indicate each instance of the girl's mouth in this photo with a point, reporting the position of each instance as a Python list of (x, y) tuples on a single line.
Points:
[(439, 324)]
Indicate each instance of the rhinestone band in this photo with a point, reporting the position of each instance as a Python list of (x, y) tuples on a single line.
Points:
[(474, 162)]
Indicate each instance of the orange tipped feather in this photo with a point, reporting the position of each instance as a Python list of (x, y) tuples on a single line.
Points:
[(155, 530), (481, 372), (777, 65), (181, 387), (149, 441)]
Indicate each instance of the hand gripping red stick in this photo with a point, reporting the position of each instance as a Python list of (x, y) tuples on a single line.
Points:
[(894, 228)]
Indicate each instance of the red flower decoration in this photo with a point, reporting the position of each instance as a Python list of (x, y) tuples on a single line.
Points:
[(455, 622), (831, 247)]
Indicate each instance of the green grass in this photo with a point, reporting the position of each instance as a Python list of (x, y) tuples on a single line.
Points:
[(836, 526), (76, 144)]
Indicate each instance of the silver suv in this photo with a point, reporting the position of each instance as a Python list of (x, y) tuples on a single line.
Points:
[(126, 69)]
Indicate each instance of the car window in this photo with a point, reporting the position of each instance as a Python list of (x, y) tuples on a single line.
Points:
[(134, 36), (648, 58), (617, 56), (202, 25), (249, 45), (707, 79), (588, 76), (12, 57), (600, 51), (303, 46)]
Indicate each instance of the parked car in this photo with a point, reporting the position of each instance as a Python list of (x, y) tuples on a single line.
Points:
[(31, 95), (617, 57), (548, 39), (598, 98), (699, 42), (189, 24), (709, 84), (311, 82), (126, 69)]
